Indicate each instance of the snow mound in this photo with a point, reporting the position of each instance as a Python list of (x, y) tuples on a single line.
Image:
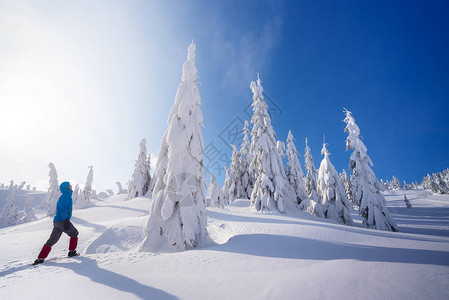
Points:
[(115, 239)]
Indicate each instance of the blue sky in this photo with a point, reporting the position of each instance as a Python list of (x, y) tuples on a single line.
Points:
[(81, 83)]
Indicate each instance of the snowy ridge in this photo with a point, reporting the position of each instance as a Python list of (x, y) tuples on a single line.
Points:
[(250, 256)]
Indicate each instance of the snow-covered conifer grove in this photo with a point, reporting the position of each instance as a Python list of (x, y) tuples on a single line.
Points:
[(366, 189), (177, 219)]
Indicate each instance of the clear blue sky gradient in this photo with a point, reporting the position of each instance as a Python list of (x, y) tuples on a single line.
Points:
[(386, 61)]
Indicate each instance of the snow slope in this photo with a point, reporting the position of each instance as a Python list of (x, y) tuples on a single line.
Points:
[(252, 256)]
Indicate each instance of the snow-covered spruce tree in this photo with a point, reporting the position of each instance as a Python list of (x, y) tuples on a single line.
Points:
[(21, 185), (10, 214), (245, 157), (177, 219), (270, 188), (140, 181), (235, 183), (441, 184), (215, 193), (396, 184), (347, 184), (407, 202), (84, 197), (226, 185), (366, 189), (332, 192), (310, 180), (53, 193), (28, 210), (294, 172), (120, 189)]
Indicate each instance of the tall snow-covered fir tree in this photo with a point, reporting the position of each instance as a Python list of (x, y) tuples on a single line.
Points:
[(332, 192), (53, 193), (84, 197), (245, 156), (294, 172), (366, 189), (177, 219), (140, 181), (270, 188)]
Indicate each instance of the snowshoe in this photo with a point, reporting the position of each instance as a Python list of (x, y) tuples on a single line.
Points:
[(38, 261), (73, 253)]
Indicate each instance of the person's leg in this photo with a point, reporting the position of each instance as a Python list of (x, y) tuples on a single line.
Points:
[(54, 237), (73, 233)]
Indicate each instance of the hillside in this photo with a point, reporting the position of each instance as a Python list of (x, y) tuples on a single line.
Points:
[(250, 256)]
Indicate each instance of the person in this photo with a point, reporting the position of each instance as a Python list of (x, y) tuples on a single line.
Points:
[(61, 223)]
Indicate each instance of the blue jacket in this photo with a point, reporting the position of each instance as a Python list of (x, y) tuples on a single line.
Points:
[(64, 206)]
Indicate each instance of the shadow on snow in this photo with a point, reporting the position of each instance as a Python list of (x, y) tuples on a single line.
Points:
[(277, 246)]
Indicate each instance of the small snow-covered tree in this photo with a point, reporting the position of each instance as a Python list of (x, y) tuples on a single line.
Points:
[(366, 188), (270, 188), (110, 192), (10, 214), (140, 181), (28, 210), (226, 185), (294, 172), (235, 183), (120, 189), (53, 193), (310, 180), (215, 193), (407, 202), (21, 185), (177, 219), (396, 184), (332, 192), (84, 196), (347, 184), (28, 188), (245, 156)]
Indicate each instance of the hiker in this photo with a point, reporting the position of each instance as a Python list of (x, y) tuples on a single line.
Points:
[(61, 223)]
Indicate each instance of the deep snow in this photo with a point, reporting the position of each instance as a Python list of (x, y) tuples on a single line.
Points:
[(253, 256)]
